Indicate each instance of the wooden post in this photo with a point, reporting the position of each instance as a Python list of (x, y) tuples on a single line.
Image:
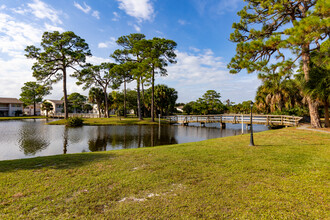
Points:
[(242, 119), (267, 120)]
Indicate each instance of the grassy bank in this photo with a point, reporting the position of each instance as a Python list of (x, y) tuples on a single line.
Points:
[(286, 176), (21, 117), (113, 121)]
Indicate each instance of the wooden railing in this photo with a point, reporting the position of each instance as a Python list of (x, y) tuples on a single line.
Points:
[(82, 115), (284, 120)]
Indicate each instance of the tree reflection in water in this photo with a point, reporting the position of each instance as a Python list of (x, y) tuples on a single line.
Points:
[(31, 140), (65, 139), (123, 137)]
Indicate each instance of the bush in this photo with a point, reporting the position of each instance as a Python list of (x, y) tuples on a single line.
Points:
[(74, 122)]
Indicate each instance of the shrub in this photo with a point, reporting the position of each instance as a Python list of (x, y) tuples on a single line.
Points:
[(74, 122)]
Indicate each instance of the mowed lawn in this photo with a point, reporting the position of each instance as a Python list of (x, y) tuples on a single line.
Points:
[(286, 176)]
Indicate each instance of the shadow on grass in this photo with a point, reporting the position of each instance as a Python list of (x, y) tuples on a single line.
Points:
[(67, 161)]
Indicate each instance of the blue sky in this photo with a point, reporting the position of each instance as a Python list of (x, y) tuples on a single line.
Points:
[(201, 29)]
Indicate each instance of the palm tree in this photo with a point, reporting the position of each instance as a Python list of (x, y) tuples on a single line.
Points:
[(96, 96), (46, 106)]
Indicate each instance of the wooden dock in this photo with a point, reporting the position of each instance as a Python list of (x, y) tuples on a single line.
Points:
[(270, 120)]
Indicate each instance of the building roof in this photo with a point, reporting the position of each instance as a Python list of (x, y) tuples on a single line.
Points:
[(10, 101), (56, 101)]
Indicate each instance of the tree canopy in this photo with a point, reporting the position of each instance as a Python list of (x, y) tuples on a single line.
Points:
[(59, 52), (32, 93), (269, 28)]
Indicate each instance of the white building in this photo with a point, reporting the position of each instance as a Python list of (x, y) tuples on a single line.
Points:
[(29, 110), (10, 107), (57, 107)]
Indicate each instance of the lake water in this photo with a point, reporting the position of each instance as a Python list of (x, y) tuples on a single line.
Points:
[(32, 137)]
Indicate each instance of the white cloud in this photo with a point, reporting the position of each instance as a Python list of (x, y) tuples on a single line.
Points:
[(182, 22), (108, 44), (96, 14), (102, 45), (14, 72), (2, 7), (116, 18), (49, 27), (140, 9), (137, 28), (195, 73), (85, 10), (194, 49), (15, 35), (41, 10), (20, 10)]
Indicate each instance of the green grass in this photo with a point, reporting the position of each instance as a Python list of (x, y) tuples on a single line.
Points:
[(21, 117), (286, 176), (113, 121)]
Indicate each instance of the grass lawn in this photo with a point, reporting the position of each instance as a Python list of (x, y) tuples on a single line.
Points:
[(113, 121), (286, 176), (21, 117)]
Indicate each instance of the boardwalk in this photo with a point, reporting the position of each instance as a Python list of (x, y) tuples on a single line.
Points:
[(82, 115), (270, 120)]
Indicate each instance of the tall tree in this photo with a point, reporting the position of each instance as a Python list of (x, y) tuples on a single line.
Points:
[(124, 71), (318, 86), (96, 96), (59, 52), (104, 76), (269, 28), (33, 93), (212, 99), (132, 54), (158, 53)]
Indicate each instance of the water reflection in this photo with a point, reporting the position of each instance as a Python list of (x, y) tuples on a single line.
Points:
[(123, 137), (65, 139), (30, 138)]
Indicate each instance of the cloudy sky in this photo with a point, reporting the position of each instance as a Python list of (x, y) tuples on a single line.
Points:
[(201, 29)]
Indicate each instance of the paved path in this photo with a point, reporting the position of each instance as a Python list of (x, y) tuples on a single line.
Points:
[(307, 127)]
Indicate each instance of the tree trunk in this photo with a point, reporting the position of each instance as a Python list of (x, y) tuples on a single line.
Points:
[(138, 99), (152, 95), (312, 104), (326, 114), (106, 112), (34, 107), (99, 108), (143, 104), (125, 99), (66, 113)]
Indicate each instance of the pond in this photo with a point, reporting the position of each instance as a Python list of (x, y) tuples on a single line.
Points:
[(32, 137)]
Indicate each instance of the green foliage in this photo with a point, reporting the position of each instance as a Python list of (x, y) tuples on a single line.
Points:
[(209, 104), (33, 93), (59, 52), (268, 29), (278, 93), (103, 75), (165, 98), (96, 96), (46, 106), (74, 122), (76, 102)]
